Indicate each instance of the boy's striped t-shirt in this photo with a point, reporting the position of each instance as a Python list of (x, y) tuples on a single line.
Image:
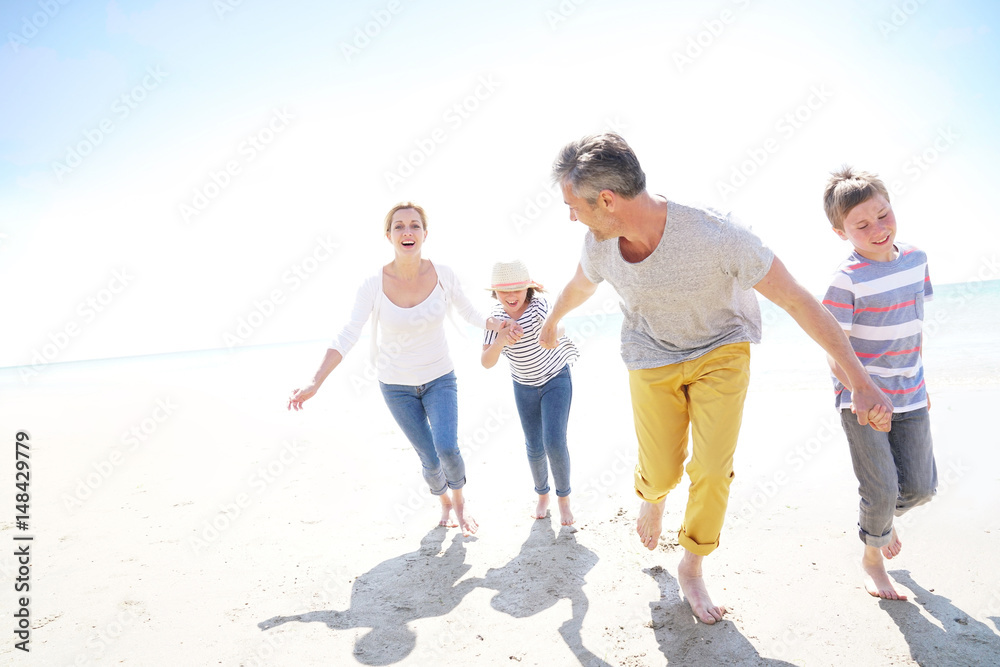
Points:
[(530, 363), (880, 306)]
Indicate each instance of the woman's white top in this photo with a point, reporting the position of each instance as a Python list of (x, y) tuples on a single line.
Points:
[(408, 344)]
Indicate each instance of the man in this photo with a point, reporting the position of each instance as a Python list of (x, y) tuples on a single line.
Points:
[(685, 277)]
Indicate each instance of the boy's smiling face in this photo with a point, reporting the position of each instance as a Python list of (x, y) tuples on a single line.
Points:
[(513, 302), (871, 228)]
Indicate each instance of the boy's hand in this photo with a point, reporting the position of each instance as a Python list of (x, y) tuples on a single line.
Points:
[(872, 406)]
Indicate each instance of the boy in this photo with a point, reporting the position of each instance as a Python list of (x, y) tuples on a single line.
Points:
[(878, 297)]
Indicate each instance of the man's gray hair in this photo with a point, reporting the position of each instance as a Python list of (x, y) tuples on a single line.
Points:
[(599, 162)]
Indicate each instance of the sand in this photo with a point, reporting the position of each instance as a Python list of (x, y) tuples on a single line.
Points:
[(181, 516)]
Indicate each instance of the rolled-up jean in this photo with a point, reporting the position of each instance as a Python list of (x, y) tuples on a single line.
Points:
[(428, 416)]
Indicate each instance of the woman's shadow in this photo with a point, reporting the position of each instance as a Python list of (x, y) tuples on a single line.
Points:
[(959, 640), (419, 584), (684, 640), (546, 570)]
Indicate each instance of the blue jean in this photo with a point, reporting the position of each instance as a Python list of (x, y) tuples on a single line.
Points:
[(544, 413), (896, 470), (428, 417)]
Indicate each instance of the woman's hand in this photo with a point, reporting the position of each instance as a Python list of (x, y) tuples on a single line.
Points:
[(300, 396)]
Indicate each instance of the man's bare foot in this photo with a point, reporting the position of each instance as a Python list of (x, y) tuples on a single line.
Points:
[(695, 592), (565, 514), (446, 507), (877, 583), (650, 523), (542, 508), (465, 520), (894, 547)]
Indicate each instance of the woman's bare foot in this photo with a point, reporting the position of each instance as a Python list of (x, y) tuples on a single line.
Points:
[(650, 523), (565, 514), (542, 508), (692, 584), (446, 508), (894, 547), (465, 520), (877, 583)]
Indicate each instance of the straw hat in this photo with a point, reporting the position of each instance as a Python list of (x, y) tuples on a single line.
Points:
[(511, 277)]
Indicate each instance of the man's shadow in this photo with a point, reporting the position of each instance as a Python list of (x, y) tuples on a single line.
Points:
[(684, 640), (419, 584), (961, 639), (547, 570)]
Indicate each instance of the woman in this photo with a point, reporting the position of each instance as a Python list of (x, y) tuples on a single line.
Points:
[(407, 301)]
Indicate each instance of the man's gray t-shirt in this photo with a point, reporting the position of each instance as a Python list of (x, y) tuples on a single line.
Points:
[(694, 293)]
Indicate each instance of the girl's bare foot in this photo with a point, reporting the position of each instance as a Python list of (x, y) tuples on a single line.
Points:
[(446, 508), (650, 523), (894, 547), (877, 583), (465, 520), (542, 508), (565, 514), (692, 584)]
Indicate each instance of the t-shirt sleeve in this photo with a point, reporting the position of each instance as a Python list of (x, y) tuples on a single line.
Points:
[(742, 254), (928, 287), (489, 336), (458, 299), (364, 302), (588, 259), (839, 300)]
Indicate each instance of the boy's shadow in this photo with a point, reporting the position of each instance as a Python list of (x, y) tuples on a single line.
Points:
[(547, 569), (962, 640), (419, 584), (684, 640)]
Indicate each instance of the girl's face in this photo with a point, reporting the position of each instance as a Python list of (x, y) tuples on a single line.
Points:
[(406, 231), (513, 302)]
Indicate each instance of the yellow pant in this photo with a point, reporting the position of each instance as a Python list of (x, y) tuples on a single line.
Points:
[(708, 393)]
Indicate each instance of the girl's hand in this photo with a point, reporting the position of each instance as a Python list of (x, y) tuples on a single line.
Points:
[(510, 333)]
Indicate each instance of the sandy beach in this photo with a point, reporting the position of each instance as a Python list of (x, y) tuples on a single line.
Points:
[(181, 515)]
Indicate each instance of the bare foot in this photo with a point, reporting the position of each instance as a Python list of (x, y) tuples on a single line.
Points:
[(446, 507), (541, 510), (465, 520), (893, 548), (565, 514), (650, 523), (695, 592), (877, 583)]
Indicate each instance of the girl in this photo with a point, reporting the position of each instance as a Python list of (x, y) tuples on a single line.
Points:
[(543, 389)]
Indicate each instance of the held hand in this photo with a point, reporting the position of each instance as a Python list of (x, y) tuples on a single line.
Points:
[(872, 406), (300, 396), (549, 338), (514, 333)]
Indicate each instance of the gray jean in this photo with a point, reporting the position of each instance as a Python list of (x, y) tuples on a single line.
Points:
[(895, 470)]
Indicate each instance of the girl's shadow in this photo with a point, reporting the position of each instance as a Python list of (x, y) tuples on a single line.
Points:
[(419, 584), (959, 640), (684, 640), (547, 569)]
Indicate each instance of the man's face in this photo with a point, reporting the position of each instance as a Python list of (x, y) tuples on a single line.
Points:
[(594, 217)]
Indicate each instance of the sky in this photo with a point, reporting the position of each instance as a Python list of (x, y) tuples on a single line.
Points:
[(201, 174)]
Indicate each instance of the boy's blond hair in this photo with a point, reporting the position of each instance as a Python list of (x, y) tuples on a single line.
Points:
[(846, 189)]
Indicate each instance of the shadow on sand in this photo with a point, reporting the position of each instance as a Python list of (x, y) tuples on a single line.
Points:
[(684, 640), (959, 640), (546, 570), (420, 584)]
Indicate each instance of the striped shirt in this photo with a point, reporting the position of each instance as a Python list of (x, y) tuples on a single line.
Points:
[(880, 306), (530, 363)]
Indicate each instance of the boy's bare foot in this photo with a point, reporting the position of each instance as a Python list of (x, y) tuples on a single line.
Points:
[(894, 547), (465, 520), (446, 507), (565, 514), (695, 592), (650, 523), (542, 508), (877, 583)]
